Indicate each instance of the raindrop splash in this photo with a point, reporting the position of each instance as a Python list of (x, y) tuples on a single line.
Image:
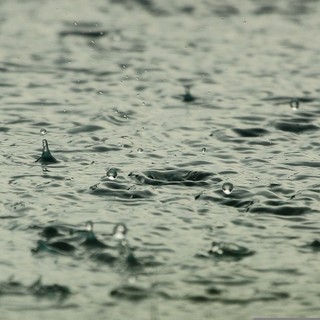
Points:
[(112, 174), (227, 188), (294, 104), (46, 156)]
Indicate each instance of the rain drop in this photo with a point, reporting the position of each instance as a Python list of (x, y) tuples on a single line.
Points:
[(227, 188), (119, 231), (43, 131), (112, 173), (294, 104), (89, 226)]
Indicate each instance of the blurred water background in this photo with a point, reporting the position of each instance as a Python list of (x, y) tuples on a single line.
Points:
[(186, 135)]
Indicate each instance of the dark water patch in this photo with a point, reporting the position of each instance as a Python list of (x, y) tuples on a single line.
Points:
[(172, 177), (52, 292), (307, 164), (102, 149), (251, 132), (278, 100), (83, 33), (147, 5), (104, 258), (58, 247), (50, 232), (84, 128), (122, 194), (226, 10), (311, 247), (266, 9), (290, 126), (4, 129), (281, 210), (130, 292), (55, 291)]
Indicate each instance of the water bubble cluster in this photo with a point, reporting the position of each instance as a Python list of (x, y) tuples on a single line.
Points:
[(227, 188)]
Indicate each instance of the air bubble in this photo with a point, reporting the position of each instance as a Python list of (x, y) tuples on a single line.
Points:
[(294, 104), (112, 173), (43, 131), (227, 188)]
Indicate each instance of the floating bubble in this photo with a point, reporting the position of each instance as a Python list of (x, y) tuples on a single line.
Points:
[(119, 231), (43, 131), (203, 150), (112, 173), (227, 188), (294, 104), (139, 150)]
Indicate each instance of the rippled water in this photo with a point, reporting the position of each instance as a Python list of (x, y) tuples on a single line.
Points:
[(149, 109)]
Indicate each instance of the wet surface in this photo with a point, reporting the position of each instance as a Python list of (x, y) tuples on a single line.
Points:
[(159, 160)]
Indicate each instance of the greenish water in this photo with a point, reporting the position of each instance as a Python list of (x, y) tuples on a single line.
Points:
[(186, 140)]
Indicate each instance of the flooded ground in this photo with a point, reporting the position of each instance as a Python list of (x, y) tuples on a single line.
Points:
[(180, 179)]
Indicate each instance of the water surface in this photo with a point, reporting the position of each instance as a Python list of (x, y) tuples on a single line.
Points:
[(149, 108)]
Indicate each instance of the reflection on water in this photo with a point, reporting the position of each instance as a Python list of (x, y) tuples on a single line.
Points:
[(159, 159)]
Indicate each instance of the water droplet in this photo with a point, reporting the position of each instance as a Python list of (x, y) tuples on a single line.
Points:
[(227, 188), (203, 150), (112, 173), (89, 226), (139, 150), (43, 131), (119, 231), (294, 104)]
